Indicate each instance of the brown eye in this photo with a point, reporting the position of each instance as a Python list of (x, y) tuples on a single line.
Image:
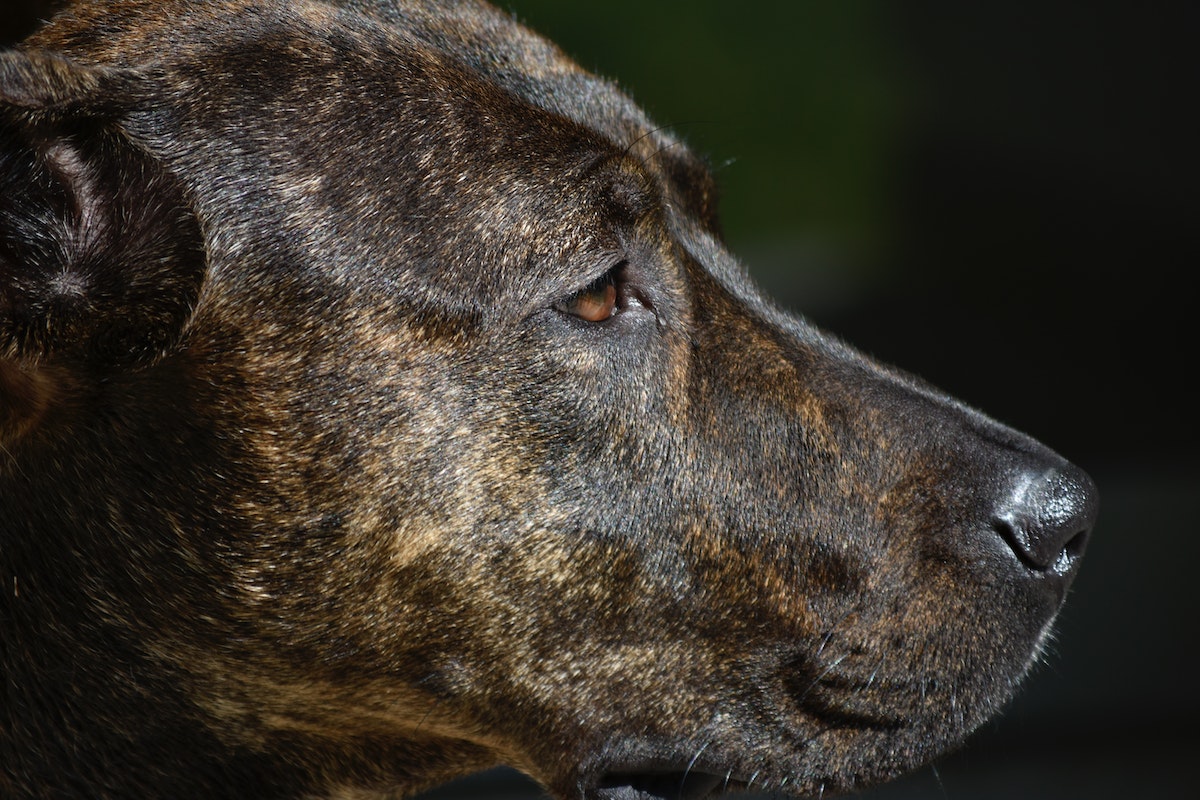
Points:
[(596, 303)]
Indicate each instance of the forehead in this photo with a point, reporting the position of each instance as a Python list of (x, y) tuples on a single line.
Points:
[(464, 41), (318, 52), (418, 133)]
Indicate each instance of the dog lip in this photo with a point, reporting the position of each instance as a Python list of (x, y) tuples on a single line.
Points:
[(658, 784), (637, 768)]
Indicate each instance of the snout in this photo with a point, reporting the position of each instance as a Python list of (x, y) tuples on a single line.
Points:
[(977, 493)]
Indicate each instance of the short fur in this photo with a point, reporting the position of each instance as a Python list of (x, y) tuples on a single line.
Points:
[(313, 483)]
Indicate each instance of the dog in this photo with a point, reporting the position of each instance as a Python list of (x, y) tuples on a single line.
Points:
[(379, 404)]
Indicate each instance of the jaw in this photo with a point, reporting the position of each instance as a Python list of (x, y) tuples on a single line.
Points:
[(749, 747), (827, 714)]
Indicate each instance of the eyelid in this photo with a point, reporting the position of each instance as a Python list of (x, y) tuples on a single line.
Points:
[(612, 275)]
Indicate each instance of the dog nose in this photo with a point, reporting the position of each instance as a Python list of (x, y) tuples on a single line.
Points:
[(1047, 518)]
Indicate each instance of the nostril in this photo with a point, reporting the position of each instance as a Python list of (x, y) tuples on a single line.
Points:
[(1076, 544), (1047, 518)]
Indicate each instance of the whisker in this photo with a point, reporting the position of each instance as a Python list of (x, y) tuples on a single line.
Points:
[(691, 764), (833, 629), (629, 147), (938, 777), (830, 668), (677, 140), (875, 672)]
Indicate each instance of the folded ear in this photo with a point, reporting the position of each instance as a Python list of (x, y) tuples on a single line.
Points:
[(101, 256)]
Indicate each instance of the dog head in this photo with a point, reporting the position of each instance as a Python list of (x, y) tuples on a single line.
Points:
[(381, 404)]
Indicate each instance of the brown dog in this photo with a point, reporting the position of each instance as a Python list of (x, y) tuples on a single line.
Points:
[(379, 404)]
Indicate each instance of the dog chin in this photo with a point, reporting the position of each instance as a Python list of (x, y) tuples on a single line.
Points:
[(833, 758), (661, 786)]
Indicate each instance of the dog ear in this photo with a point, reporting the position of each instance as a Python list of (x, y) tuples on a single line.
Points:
[(101, 256)]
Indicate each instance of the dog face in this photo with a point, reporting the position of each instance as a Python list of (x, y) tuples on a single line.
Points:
[(380, 404)]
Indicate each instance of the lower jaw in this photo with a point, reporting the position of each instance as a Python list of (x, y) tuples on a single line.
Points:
[(660, 786)]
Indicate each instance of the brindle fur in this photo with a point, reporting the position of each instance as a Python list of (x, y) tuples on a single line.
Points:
[(310, 488)]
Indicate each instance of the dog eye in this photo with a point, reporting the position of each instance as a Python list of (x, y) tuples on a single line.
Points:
[(596, 302)]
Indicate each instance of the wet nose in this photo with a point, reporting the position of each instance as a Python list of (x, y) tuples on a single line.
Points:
[(1047, 518)]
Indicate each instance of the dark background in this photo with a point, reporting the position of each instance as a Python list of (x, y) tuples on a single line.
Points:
[(1000, 197)]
